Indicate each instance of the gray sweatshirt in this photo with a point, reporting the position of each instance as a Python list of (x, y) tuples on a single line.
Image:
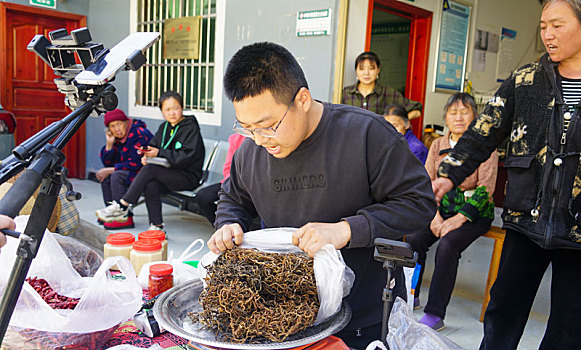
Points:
[(354, 167)]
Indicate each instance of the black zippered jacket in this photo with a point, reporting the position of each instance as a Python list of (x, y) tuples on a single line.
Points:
[(186, 150), (544, 168)]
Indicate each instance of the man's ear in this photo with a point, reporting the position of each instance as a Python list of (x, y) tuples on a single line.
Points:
[(304, 99)]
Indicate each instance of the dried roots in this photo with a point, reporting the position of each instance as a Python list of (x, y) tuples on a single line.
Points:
[(252, 294)]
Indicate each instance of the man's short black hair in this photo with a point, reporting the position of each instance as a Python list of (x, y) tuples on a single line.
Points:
[(263, 66)]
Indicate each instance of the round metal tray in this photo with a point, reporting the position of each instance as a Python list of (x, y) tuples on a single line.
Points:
[(171, 312)]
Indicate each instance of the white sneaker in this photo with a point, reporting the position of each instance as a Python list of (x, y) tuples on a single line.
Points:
[(112, 212), (153, 227)]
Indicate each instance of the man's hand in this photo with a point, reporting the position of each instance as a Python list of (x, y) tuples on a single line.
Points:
[(151, 151), (453, 223), (314, 235), (109, 140), (104, 173), (441, 186), (222, 239), (5, 222), (436, 224)]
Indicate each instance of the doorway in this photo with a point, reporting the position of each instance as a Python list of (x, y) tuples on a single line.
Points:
[(400, 34), (26, 82)]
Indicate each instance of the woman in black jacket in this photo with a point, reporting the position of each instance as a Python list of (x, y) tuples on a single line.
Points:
[(173, 162), (538, 109)]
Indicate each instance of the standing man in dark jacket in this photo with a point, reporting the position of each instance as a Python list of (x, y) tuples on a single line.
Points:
[(178, 141), (538, 108), (342, 175), (120, 156)]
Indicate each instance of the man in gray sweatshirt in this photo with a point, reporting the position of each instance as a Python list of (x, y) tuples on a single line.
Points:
[(340, 174)]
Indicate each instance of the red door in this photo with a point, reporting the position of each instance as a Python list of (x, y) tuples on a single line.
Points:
[(27, 87)]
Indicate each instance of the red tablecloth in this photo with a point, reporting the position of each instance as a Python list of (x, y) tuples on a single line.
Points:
[(128, 333)]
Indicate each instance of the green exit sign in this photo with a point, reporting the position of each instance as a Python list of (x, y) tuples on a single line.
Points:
[(51, 4)]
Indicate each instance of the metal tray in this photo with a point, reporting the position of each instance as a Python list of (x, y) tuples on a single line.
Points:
[(171, 312)]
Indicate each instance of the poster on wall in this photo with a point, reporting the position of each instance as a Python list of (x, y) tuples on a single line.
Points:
[(484, 42), (452, 46), (506, 59)]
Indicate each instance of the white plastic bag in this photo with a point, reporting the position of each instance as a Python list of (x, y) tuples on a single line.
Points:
[(104, 301), (182, 273), (405, 333), (334, 278)]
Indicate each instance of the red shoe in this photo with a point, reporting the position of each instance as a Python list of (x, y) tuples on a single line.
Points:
[(119, 224)]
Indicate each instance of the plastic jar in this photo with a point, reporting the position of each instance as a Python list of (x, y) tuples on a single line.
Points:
[(144, 251), (160, 236), (118, 244), (160, 279)]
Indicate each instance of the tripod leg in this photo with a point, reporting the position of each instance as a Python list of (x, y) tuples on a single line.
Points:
[(27, 250)]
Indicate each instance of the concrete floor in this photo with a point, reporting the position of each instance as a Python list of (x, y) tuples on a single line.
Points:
[(462, 325)]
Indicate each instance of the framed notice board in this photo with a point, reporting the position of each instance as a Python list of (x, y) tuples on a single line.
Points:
[(452, 46)]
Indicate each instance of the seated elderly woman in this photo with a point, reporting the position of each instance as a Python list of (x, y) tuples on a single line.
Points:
[(464, 214), (398, 117), (120, 156)]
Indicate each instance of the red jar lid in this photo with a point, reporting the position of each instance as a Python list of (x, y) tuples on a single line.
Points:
[(120, 238), (147, 245), (152, 234), (161, 269)]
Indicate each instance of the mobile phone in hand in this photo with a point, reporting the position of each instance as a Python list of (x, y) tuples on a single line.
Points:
[(142, 149)]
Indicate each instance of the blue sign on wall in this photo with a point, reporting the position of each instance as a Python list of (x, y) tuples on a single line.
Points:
[(452, 46)]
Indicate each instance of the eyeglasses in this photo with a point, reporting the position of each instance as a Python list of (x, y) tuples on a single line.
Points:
[(264, 132)]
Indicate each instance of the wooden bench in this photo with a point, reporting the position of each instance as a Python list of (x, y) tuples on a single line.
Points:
[(497, 234)]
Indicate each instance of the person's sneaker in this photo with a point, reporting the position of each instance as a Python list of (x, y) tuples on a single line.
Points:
[(416, 303), (111, 212), (153, 227), (434, 322), (126, 222)]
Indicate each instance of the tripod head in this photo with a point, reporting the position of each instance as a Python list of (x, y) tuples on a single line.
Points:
[(399, 253), (98, 65)]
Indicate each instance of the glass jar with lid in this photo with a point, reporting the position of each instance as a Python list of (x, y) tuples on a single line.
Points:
[(145, 251), (118, 244), (160, 236), (160, 279)]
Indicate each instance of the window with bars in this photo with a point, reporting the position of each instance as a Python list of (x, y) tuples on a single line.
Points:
[(192, 78)]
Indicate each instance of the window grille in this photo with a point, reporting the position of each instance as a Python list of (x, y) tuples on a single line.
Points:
[(192, 78)]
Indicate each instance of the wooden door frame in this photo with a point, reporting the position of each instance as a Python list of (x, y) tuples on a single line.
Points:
[(418, 51), (5, 8)]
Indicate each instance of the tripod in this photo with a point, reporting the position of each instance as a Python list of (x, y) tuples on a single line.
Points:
[(392, 254), (87, 90), (46, 170)]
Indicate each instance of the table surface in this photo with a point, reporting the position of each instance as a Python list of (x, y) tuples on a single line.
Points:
[(129, 334)]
